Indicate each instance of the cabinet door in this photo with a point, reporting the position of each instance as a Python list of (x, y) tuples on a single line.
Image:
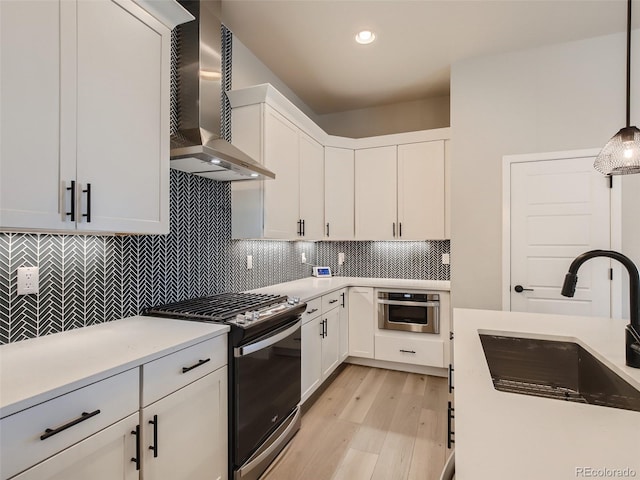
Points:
[(376, 193), (107, 455), (343, 336), (339, 193), (191, 431), (330, 342), (122, 117), (311, 357), (421, 191), (281, 211), (361, 322), (311, 187), (30, 156)]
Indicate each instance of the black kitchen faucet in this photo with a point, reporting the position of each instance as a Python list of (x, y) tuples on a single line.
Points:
[(632, 339)]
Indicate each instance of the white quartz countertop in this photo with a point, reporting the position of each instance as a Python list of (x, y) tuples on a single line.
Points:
[(39, 369), (312, 287), (502, 435)]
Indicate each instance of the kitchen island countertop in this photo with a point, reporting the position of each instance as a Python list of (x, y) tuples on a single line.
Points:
[(505, 436)]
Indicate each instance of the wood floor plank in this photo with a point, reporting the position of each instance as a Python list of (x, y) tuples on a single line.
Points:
[(336, 397), (394, 460), (429, 450), (359, 404), (356, 465), (435, 395), (415, 385), (371, 435)]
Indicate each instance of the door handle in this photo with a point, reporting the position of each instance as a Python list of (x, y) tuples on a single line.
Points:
[(520, 289)]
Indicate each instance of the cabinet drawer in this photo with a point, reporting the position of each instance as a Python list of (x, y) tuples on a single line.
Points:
[(406, 349), (331, 300), (172, 372), (314, 309), (104, 403)]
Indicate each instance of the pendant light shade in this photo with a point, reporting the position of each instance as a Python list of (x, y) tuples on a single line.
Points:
[(621, 154)]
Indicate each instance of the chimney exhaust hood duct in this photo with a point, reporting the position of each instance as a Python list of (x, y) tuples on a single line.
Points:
[(196, 146)]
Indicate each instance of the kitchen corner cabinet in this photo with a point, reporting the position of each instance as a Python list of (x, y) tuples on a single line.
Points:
[(84, 104), (292, 205), (361, 322), (339, 193), (400, 192)]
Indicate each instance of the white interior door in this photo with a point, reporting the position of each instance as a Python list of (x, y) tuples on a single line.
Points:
[(559, 209)]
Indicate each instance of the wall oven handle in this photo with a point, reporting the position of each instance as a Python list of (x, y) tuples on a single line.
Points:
[(409, 304), (267, 342)]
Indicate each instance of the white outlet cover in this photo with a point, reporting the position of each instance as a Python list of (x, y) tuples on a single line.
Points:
[(249, 262), (28, 280), (445, 259)]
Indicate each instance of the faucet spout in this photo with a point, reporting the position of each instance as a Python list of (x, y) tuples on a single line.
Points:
[(633, 329)]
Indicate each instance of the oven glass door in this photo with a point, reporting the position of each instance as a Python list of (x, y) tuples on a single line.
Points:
[(409, 314), (267, 387)]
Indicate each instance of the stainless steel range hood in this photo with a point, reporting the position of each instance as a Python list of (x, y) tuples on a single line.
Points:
[(196, 146)]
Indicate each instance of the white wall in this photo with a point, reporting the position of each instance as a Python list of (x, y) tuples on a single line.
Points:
[(560, 97), (423, 114)]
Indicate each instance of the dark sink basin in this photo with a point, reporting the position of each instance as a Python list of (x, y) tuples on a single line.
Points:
[(555, 369)]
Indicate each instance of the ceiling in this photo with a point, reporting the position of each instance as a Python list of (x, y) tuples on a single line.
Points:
[(309, 44)]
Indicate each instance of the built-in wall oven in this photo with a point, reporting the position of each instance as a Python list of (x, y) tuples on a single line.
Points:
[(264, 361), (409, 311)]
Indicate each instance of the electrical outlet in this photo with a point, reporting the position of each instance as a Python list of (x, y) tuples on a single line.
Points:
[(303, 258), (341, 258), (249, 262), (28, 280), (445, 259)]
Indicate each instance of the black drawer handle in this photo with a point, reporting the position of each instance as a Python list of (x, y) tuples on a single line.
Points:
[(408, 351), (136, 459), (50, 432), (450, 433), (88, 192), (200, 362), (154, 447), (451, 387), (312, 311), (72, 189), (333, 301)]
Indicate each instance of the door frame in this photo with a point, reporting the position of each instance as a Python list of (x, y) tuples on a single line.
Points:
[(615, 220)]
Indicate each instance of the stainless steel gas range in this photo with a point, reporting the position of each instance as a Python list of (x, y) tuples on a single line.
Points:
[(264, 371)]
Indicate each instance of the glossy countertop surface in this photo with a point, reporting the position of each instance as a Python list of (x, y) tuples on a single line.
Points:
[(38, 369), (504, 435), (312, 287)]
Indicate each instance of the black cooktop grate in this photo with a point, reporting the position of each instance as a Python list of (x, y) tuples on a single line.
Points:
[(218, 308)]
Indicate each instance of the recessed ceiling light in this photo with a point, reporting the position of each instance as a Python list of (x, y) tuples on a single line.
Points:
[(254, 174), (365, 36), (214, 160)]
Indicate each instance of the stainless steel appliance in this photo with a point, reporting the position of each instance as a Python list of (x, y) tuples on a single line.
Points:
[(264, 372), (413, 312)]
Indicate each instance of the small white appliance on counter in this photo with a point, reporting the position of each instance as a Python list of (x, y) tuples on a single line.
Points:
[(321, 271)]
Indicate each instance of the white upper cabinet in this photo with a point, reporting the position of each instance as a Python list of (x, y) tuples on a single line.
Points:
[(292, 205), (85, 108), (376, 193), (421, 191), (339, 193)]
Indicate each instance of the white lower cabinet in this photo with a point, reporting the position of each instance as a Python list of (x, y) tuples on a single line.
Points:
[(330, 342), (311, 357), (108, 455), (361, 322), (408, 347), (343, 336), (185, 433)]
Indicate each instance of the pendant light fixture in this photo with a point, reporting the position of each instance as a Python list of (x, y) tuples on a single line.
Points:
[(621, 154)]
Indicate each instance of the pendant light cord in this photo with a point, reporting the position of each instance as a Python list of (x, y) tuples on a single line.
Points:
[(628, 63)]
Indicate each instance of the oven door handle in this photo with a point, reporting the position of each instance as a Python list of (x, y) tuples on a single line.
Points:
[(245, 350), (409, 304)]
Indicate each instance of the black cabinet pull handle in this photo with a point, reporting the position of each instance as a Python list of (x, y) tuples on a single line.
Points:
[(88, 192), (450, 335), (333, 301), (450, 433), (326, 330), (451, 378), (327, 229), (303, 228), (200, 362), (342, 295), (394, 229), (408, 351), (136, 459), (72, 189), (154, 447), (50, 432), (520, 289), (322, 328), (312, 311), (400, 228)]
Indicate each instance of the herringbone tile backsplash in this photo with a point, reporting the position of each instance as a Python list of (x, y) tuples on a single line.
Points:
[(90, 279)]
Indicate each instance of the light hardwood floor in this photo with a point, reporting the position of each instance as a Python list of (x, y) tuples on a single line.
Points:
[(370, 424)]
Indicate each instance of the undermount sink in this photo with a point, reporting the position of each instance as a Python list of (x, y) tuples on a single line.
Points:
[(558, 370)]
